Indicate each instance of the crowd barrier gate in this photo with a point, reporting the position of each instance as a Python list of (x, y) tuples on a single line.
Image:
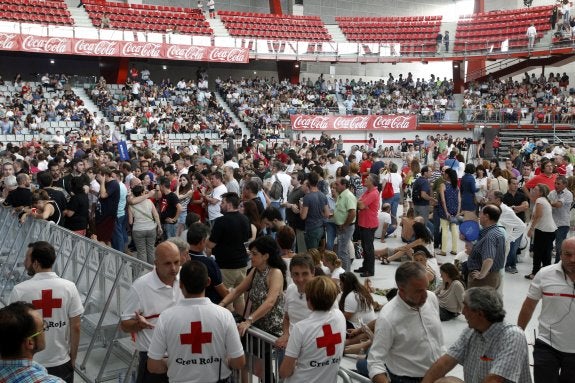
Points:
[(103, 277)]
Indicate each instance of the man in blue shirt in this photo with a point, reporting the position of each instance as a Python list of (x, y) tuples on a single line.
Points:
[(22, 334)]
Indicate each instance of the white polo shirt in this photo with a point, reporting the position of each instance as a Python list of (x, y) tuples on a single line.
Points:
[(351, 305), (557, 316), (198, 337), (295, 306), (214, 209), (317, 342), (57, 300), (150, 297)]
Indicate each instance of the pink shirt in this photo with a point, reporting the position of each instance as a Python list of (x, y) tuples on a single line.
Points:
[(368, 216)]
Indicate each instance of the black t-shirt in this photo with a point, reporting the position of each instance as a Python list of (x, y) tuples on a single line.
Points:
[(19, 197), (229, 233), (80, 205), (259, 205), (57, 196), (108, 207), (293, 219), (515, 200), (213, 272), (168, 206)]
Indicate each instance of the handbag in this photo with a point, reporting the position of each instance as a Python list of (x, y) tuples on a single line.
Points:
[(387, 190)]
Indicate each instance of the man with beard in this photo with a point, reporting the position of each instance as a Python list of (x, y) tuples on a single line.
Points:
[(61, 307), (408, 337)]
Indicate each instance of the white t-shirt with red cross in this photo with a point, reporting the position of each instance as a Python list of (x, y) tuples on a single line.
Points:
[(198, 337), (57, 300), (317, 342)]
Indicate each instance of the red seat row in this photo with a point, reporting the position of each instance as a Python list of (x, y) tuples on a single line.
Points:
[(389, 18), (37, 3), (266, 15), (141, 6)]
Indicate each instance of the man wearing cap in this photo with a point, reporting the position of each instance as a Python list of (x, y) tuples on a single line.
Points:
[(487, 257)]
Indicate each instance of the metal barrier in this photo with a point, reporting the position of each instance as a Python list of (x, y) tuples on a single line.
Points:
[(103, 277)]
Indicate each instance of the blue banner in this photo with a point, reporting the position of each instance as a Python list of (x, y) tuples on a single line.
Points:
[(123, 150)]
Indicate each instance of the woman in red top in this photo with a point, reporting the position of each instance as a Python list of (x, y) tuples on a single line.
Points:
[(196, 204), (368, 206)]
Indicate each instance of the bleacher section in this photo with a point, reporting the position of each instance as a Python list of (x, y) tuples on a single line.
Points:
[(488, 30), (271, 26), (36, 11), (155, 18), (416, 34)]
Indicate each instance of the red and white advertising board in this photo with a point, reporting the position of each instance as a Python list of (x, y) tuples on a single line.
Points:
[(304, 122), (87, 47)]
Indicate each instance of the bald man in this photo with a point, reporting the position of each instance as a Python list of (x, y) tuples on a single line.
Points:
[(151, 294)]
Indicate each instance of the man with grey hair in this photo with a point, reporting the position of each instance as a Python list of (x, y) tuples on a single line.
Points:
[(408, 336), (561, 200), (183, 248), (490, 350)]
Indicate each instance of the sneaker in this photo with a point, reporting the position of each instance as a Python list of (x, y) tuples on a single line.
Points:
[(511, 270)]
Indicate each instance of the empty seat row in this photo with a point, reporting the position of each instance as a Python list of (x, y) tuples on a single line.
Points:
[(267, 15), (389, 18), (141, 6), (37, 3), (268, 21)]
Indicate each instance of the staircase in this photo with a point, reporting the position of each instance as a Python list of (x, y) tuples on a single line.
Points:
[(79, 15), (218, 27), (92, 108), (229, 111), (507, 136), (336, 33)]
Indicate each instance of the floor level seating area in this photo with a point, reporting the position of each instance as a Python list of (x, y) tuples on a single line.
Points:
[(415, 34), (273, 26), (36, 11), (487, 31), (154, 18)]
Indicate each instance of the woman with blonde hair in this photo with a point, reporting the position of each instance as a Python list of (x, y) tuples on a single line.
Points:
[(333, 263), (542, 228)]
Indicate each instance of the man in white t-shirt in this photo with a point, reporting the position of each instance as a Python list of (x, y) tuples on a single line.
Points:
[(200, 338), (214, 200), (531, 34), (332, 167), (59, 302), (277, 170), (149, 296)]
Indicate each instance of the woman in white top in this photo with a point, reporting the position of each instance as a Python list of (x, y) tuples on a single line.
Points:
[(498, 182), (333, 263), (396, 181), (356, 302), (146, 225), (481, 184), (542, 229)]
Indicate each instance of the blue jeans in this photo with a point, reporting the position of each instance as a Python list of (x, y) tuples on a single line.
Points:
[(330, 233), (313, 237), (560, 236), (394, 202), (512, 256), (169, 230), (343, 239), (120, 237), (277, 205)]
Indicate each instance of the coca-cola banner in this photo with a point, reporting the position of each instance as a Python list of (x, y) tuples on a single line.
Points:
[(88, 47), (370, 122)]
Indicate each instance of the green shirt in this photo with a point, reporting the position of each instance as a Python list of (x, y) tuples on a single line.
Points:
[(346, 201)]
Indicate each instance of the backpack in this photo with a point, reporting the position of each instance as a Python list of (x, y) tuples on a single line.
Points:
[(277, 189), (416, 192)]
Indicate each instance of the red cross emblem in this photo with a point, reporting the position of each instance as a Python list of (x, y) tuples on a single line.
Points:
[(329, 340), (196, 337), (47, 304)]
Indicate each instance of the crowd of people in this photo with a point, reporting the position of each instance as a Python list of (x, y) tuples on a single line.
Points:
[(271, 231)]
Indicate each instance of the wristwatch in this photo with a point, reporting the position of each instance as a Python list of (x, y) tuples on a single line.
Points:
[(250, 319)]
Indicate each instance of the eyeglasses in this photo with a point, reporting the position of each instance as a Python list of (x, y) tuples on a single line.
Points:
[(44, 329)]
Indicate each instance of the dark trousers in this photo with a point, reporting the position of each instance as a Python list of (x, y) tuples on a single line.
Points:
[(64, 371), (367, 236), (145, 376), (402, 379), (552, 366), (560, 236), (436, 229), (542, 249)]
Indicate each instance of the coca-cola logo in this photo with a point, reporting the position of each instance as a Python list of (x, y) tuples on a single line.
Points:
[(45, 44), (393, 122), (141, 49), (7, 41), (310, 122), (192, 53), (349, 123), (230, 55), (99, 48)]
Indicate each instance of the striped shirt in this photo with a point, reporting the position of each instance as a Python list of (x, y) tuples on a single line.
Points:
[(500, 350), (25, 371), (491, 244)]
